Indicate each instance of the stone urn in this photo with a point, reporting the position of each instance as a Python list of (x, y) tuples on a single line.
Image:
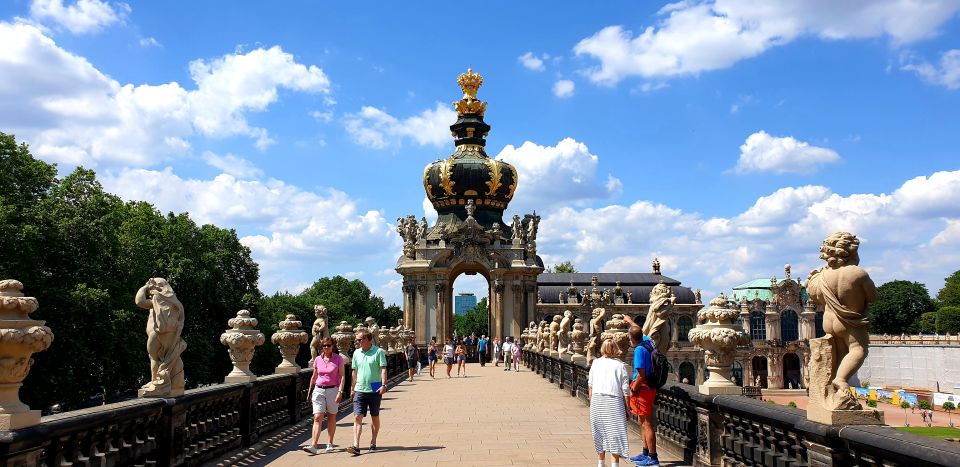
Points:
[(242, 338), (385, 339), (344, 338), (578, 342), (719, 338), (616, 329), (289, 338), (20, 337)]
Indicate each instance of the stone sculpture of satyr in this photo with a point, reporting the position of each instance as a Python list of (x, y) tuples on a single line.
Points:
[(661, 302), (554, 334), (164, 345), (319, 330), (563, 335), (596, 328), (844, 290)]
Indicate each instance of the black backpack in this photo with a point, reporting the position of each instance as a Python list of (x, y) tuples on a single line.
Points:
[(660, 367)]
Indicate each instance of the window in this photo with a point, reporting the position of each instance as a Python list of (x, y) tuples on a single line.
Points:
[(789, 326), (684, 325), (758, 326), (819, 325)]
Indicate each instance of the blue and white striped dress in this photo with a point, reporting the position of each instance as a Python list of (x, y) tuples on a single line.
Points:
[(608, 415)]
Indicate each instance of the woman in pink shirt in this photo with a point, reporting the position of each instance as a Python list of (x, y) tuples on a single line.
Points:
[(326, 392)]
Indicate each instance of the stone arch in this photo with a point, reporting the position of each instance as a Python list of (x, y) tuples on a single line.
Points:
[(736, 373), (687, 371), (792, 372), (759, 367)]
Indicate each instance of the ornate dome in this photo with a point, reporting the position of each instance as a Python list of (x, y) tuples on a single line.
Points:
[(469, 174)]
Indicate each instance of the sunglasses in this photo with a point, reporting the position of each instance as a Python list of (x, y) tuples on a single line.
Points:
[(326, 345)]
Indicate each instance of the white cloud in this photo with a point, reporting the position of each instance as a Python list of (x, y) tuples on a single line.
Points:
[(147, 42), (552, 176), (912, 233), (531, 61), (946, 74), (83, 16), (563, 88), (73, 114), (692, 36), (762, 152), (375, 128), (233, 165)]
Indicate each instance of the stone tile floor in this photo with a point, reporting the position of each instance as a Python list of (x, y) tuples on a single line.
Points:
[(490, 418)]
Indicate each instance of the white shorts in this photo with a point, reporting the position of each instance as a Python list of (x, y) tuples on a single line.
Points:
[(325, 400)]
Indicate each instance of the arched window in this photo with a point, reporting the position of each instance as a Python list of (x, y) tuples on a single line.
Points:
[(687, 373), (684, 325), (818, 323), (789, 326), (758, 326), (736, 373)]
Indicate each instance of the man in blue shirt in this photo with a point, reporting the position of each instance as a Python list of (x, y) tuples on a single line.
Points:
[(642, 396), (482, 350)]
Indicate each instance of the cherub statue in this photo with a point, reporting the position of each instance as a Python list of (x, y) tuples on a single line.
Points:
[(844, 290), (319, 330), (554, 333), (563, 334)]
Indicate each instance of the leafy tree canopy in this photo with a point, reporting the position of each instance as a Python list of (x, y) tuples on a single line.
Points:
[(560, 268), (928, 322), (899, 307), (949, 295), (474, 321), (948, 320)]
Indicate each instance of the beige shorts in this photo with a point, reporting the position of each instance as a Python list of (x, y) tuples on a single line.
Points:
[(325, 400)]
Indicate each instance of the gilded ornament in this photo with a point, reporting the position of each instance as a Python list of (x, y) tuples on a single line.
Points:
[(426, 182), (513, 186), (446, 174), (494, 183), (470, 82)]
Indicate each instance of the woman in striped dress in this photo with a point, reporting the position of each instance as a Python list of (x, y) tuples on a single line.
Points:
[(609, 392)]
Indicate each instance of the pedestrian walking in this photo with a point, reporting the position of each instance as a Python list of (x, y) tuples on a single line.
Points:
[(370, 374), (507, 349), (413, 357), (515, 351), (608, 391), (432, 357), (326, 393), (496, 351), (461, 354), (482, 349), (448, 355)]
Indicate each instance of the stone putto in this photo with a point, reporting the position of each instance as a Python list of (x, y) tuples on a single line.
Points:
[(319, 330), (164, 345)]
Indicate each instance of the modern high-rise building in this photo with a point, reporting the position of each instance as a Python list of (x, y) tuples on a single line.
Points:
[(463, 302)]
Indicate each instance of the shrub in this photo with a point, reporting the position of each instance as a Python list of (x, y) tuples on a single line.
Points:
[(925, 405), (948, 320), (904, 405), (871, 403), (928, 322), (792, 405)]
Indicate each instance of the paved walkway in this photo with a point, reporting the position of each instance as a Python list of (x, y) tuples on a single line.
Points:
[(490, 418)]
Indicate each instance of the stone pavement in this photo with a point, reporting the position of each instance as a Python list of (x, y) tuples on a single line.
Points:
[(490, 418)]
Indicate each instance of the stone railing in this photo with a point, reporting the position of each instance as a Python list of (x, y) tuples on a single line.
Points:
[(740, 431), (201, 425), (914, 339)]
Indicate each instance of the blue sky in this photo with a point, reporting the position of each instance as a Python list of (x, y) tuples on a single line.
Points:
[(726, 138)]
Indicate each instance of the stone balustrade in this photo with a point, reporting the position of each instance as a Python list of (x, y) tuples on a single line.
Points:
[(733, 430), (915, 339)]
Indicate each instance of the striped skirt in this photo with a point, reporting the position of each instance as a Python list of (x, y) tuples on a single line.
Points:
[(608, 422)]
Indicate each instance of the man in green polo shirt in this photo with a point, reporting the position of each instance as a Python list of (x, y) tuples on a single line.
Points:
[(370, 373)]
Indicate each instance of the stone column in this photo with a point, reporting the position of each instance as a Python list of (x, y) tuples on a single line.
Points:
[(745, 317), (420, 312), (517, 312), (289, 338), (808, 324), (674, 333), (496, 300), (772, 318), (408, 305), (241, 338), (20, 337)]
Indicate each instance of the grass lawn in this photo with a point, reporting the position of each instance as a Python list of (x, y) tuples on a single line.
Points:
[(941, 432)]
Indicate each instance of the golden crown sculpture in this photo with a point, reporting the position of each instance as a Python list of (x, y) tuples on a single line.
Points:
[(470, 82)]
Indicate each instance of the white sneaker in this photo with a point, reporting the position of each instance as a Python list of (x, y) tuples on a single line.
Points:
[(311, 449), (329, 449)]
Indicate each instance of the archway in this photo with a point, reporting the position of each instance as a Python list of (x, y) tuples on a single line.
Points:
[(687, 373), (792, 375), (789, 326), (758, 326), (759, 366), (736, 372)]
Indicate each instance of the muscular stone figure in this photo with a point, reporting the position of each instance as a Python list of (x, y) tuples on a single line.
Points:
[(661, 302), (563, 334), (554, 333)]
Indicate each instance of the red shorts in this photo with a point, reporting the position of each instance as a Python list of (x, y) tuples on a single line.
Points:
[(641, 403)]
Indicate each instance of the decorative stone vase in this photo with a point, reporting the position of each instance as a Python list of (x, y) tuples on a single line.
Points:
[(578, 342), (20, 337), (385, 340), (242, 338), (616, 329), (719, 338), (344, 339), (289, 338)]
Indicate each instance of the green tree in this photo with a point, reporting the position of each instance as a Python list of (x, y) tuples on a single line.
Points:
[(928, 322), (949, 295), (560, 268), (948, 320), (949, 407), (474, 321), (905, 405), (899, 307)]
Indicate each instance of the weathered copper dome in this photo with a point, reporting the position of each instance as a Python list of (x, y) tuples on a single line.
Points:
[(469, 174)]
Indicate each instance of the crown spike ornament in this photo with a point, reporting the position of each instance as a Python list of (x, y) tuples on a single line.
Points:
[(470, 82)]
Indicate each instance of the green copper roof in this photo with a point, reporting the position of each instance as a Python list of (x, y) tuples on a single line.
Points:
[(759, 288)]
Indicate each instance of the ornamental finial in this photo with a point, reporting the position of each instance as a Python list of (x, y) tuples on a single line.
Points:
[(470, 82)]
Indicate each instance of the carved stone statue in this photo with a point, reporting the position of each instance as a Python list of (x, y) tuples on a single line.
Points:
[(496, 230), (844, 290), (661, 302), (344, 339), (20, 338), (164, 345), (596, 328), (371, 323), (471, 208), (516, 228), (242, 338), (554, 334), (533, 226), (656, 266), (289, 337), (698, 300), (319, 330), (616, 329), (422, 231), (578, 340), (563, 334), (544, 345)]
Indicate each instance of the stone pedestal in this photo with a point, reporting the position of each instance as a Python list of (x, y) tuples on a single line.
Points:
[(826, 404), (242, 339), (289, 338), (20, 337)]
